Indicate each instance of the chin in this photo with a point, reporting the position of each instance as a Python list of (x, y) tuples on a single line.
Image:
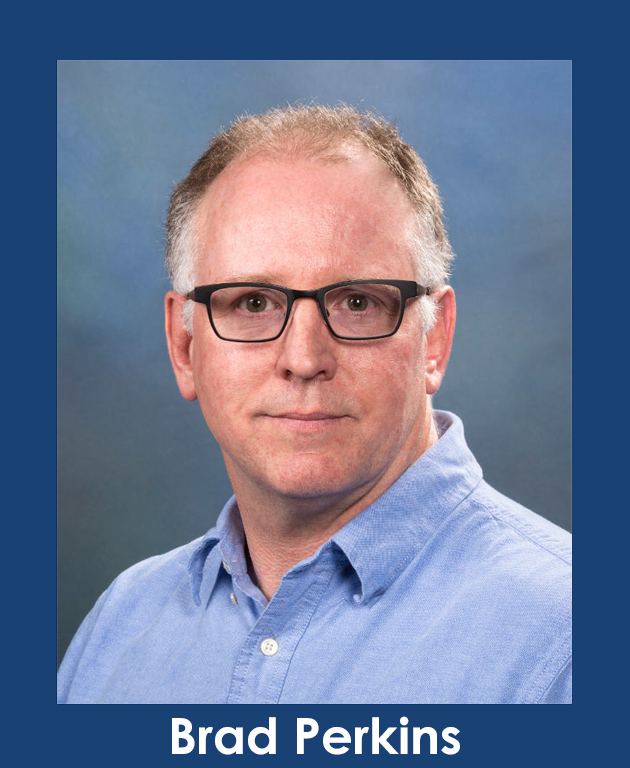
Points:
[(312, 476)]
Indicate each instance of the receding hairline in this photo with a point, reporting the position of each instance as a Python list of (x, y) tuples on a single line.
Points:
[(296, 147), (330, 134), (346, 155)]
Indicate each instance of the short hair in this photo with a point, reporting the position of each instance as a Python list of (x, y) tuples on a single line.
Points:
[(328, 133)]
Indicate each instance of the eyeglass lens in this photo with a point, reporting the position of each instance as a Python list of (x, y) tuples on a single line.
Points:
[(247, 313)]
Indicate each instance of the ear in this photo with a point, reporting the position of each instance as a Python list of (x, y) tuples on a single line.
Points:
[(179, 344), (440, 339)]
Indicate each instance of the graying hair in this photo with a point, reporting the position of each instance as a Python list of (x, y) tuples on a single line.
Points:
[(330, 134)]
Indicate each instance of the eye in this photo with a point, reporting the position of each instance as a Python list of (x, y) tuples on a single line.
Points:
[(256, 303), (358, 303)]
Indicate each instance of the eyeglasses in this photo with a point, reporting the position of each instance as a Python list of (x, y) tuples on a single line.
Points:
[(355, 309)]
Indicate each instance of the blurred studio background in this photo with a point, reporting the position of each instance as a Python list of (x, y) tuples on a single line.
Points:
[(138, 471)]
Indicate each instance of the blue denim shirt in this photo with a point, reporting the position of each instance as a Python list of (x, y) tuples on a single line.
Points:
[(442, 591)]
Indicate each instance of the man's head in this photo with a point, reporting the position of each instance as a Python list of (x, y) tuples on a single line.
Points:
[(330, 135), (307, 414)]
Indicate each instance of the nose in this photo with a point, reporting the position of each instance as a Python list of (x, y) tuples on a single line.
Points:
[(308, 349)]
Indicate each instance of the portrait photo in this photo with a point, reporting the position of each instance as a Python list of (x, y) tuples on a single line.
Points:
[(314, 381)]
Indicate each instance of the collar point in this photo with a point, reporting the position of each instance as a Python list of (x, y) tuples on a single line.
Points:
[(364, 597)]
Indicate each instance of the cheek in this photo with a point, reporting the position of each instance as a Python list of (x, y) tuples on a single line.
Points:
[(394, 383), (225, 377)]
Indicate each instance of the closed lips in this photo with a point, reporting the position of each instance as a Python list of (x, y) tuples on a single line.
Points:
[(317, 416)]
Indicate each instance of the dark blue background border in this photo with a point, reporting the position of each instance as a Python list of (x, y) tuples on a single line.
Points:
[(140, 735)]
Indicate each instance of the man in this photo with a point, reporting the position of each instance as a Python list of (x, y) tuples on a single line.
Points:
[(363, 558)]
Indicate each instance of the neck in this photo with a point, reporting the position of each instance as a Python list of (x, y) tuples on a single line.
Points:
[(281, 531)]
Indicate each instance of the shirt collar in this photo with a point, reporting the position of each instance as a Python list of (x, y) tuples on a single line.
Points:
[(207, 558), (379, 542)]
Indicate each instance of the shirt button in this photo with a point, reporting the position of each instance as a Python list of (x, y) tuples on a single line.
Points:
[(225, 566), (233, 598), (269, 647)]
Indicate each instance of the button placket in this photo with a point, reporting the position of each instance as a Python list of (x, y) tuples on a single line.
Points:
[(265, 658)]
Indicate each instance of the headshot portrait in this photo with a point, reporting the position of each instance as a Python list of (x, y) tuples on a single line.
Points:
[(314, 395)]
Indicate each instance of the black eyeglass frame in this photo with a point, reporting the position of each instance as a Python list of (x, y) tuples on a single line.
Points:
[(408, 290)]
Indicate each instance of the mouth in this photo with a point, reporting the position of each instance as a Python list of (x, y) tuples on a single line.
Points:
[(308, 422)]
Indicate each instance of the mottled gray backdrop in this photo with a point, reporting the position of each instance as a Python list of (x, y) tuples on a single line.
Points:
[(138, 471)]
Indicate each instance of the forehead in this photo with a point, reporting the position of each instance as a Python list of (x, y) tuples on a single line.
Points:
[(305, 218)]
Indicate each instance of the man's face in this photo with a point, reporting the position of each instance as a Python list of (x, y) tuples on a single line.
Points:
[(309, 415)]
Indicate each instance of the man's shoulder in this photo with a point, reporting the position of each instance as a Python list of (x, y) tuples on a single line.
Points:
[(130, 604), (140, 592), (539, 537), (522, 558), (164, 569)]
